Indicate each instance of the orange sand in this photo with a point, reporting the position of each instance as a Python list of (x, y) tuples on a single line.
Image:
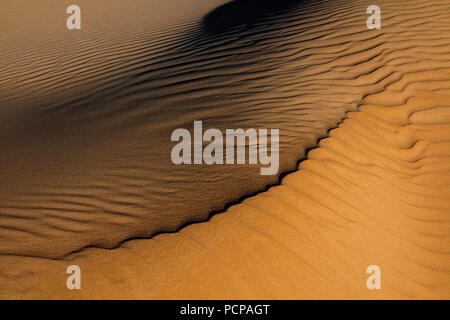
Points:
[(375, 192)]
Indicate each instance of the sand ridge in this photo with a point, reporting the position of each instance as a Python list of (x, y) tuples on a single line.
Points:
[(375, 191)]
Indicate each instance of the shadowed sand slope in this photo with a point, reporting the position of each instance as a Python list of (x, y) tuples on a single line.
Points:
[(243, 12), (375, 192), (85, 142), (86, 117)]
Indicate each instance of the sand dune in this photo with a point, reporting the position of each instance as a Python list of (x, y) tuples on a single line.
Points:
[(86, 151), (374, 192)]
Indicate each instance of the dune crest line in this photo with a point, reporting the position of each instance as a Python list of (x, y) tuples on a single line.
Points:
[(374, 192)]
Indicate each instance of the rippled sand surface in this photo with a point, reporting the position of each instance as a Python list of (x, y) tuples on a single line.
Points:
[(95, 110), (86, 163)]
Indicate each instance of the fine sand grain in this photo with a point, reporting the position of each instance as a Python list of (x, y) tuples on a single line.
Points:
[(376, 190)]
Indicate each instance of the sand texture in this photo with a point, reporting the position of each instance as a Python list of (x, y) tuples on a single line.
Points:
[(86, 177)]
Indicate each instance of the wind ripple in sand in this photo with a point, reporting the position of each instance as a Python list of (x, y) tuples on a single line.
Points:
[(86, 149), (372, 194)]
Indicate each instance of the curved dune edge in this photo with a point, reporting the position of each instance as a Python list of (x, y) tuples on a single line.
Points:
[(375, 192)]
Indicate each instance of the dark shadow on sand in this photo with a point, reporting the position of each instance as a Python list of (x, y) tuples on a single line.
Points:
[(242, 13)]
